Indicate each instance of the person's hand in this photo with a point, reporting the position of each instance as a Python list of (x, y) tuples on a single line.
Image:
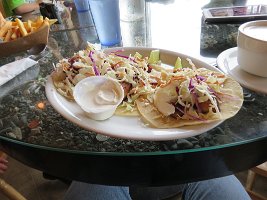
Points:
[(3, 165)]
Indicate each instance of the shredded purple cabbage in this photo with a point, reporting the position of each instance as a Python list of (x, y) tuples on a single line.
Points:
[(214, 93), (123, 56), (195, 96), (185, 113), (94, 65), (191, 86), (201, 78)]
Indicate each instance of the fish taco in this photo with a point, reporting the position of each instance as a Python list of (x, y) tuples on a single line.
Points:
[(190, 97), (131, 71)]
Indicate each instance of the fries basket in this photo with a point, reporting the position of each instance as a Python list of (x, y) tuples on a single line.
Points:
[(25, 43)]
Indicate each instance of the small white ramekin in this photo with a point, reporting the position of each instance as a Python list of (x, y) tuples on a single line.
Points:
[(83, 93)]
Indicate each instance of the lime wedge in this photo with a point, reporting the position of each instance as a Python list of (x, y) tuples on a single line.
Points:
[(178, 63), (154, 57)]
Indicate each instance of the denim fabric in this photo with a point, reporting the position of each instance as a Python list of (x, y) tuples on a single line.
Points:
[(85, 191), (225, 188)]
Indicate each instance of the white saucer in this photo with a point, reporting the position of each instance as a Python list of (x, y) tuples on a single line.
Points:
[(227, 62)]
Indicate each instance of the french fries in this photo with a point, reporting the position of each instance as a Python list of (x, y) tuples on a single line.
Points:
[(5, 28), (13, 30), (21, 27), (8, 35)]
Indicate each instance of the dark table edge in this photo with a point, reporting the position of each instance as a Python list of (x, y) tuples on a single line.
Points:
[(146, 170)]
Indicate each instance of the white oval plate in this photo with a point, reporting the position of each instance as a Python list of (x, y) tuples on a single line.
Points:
[(127, 127), (227, 62)]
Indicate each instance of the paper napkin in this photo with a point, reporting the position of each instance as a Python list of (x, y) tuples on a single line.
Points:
[(13, 69)]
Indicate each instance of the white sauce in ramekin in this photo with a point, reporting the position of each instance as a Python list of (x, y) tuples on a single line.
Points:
[(98, 96)]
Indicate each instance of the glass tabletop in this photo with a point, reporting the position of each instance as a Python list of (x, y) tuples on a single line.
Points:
[(27, 117)]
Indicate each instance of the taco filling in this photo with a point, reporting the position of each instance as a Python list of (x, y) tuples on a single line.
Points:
[(192, 96)]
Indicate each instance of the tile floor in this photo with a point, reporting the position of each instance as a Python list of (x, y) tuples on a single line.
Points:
[(33, 186)]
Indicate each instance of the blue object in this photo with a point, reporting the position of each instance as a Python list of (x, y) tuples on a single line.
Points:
[(106, 17), (81, 5)]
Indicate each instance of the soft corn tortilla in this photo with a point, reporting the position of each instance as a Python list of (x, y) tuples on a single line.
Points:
[(229, 107), (58, 77)]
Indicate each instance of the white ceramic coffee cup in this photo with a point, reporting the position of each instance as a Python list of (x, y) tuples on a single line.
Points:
[(252, 47)]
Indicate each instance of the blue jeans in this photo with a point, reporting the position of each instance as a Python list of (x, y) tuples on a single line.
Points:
[(225, 188)]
